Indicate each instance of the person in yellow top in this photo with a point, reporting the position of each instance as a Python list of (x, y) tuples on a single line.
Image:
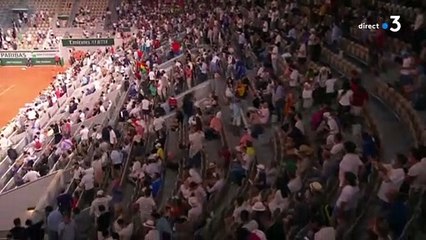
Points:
[(241, 89), (160, 151), (250, 151)]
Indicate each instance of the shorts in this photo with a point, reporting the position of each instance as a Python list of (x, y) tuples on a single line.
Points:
[(145, 112)]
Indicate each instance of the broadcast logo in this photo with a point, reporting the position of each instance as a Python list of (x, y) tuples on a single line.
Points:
[(394, 26)]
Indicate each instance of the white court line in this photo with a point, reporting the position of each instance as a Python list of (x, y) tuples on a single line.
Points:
[(6, 90)]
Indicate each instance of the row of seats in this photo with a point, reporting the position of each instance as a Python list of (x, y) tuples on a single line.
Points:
[(404, 109), (355, 50), (396, 9), (97, 8), (393, 44), (344, 66), (8, 3), (34, 44), (45, 5), (65, 7)]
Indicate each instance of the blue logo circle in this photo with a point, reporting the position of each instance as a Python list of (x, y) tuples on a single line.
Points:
[(385, 26)]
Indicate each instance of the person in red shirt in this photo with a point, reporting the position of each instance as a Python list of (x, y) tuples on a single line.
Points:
[(175, 48), (172, 103), (156, 44), (57, 60), (140, 54), (359, 99)]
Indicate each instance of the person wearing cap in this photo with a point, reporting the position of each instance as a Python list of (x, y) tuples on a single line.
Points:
[(160, 151), (260, 178), (152, 166), (100, 199)]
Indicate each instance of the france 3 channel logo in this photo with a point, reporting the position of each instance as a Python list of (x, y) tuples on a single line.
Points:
[(394, 26)]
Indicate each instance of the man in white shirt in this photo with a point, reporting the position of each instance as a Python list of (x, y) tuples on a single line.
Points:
[(330, 88), (146, 205), (217, 186), (31, 176), (294, 78), (158, 124), (125, 232), (77, 172), (88, 184), (348, 198), (5, 142), (151, 75), (112, 136), (196, 210), (100, 200), (417, 172), (84, 134), (146, 104), (153, 234), (351, 162), (392, 178)]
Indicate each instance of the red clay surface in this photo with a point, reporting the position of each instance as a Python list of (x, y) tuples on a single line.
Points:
[(19, 86)]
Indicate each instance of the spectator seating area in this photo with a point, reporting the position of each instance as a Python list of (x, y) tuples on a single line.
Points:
[(7, 4), (49, 6), (91, 13), (396, 9), (278, 191), (91, 94)]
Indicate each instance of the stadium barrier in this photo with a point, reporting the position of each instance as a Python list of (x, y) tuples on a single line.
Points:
[(20, 58)]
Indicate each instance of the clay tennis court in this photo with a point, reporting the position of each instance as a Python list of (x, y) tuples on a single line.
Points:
[(21, 85)]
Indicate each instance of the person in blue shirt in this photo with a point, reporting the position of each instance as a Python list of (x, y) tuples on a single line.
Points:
[(240, 70), (398, 214), (53, 221), (156, 185), (237, 173), (163, 224), (64, 201), (369, 150)]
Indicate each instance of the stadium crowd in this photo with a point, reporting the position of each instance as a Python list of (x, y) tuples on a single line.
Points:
[(267, 55), (29, 31)]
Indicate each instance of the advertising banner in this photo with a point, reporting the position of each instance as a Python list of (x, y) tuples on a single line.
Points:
[(20, 58), (88, 42)]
